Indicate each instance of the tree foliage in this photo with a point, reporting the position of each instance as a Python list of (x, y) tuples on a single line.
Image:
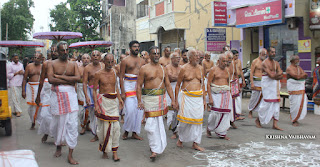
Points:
[(19, 18), (60, 16)]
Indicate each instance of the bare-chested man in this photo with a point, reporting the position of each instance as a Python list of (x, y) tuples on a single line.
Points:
[(165, 60), (191, 101), (129, 70), (173, 70), (184, 58), (270, 84), (207, 64), (117, 67), (178, 50), (201, 55), (219, 99), (155, 79), (296, 89), (83, 112), (234, 85), (43, 97), (32, 75), (127, 53), (63, 75), (107, 104), (145, 56), (88, 77), (255, 80)]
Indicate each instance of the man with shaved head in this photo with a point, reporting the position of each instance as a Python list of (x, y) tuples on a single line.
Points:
[(219, 99), (88, 77), (32, 75), (44, 95), (270, 84), (255, 79), (165, 60), (83, 112), (201, 54), (191, 101), (145, 56), (296, 89), (107, 103), (173, 70)]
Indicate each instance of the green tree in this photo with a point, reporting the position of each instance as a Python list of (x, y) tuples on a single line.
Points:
[(16, 13), (61, 18)]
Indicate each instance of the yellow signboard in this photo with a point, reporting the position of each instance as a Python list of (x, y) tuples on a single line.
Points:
[(304, 46)]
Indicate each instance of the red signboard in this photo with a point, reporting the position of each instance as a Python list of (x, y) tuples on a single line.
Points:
[(215, 46), (219, 13), (259, 15)]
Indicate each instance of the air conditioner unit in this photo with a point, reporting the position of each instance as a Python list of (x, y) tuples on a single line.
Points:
[(292, 23)]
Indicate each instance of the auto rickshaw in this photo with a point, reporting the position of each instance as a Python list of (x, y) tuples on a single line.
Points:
[(5, 110)]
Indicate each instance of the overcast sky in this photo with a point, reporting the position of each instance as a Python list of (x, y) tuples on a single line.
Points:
[(41, 13)]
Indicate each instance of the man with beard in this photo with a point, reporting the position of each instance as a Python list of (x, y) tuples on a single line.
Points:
[(88, 77), (270, 84), (155, 79), (63, 75), (15, 73), (117, 67), (129, 70), (191, 101), (107, 104), (165, 60), (219, 99), (43, 97), (184, 57), (173, 70), (32, 76), (255, 79), (234, 86), (83, 112), (296, 89)]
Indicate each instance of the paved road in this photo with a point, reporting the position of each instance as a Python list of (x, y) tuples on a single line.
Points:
[(248, 145)]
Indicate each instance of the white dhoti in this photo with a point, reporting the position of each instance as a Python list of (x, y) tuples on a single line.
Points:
[(83, 112), (45, 113), (270, 104), (31, 94), (219, 118), (298, 99), (123, 111), (155, 106), (190, 116), (134, 116), (15, 94), (64, 108), (236, 99), (171, 113), (108, 129), (256, 95), (92, 118)]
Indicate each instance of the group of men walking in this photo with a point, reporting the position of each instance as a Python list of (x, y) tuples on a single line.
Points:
[(146, 89)]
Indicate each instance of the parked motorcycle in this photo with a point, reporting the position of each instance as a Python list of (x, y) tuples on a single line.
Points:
[(246, 73)]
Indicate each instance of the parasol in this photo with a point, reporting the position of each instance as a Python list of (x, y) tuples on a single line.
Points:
[(20, 44), (91, 44), (57, 35)]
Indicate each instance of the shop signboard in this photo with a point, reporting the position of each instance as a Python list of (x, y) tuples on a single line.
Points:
[(219, 13), (304, 46), (215, 39), (259, 15), (314, 14)]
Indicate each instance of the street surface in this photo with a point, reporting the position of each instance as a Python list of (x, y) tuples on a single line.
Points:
[(248, 146)]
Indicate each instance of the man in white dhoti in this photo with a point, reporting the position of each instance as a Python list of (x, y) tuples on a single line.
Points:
[(83, 112), (88, 77), (173, 70), (129, 70), (207, 64), (44, 96), (107, 108), (191, 101), (29, 92), (255, 79), (63, 75), (296, 89), (117, 67), (15, 73), (154, 78), (220, 99), (270, 105), (241, 83)]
